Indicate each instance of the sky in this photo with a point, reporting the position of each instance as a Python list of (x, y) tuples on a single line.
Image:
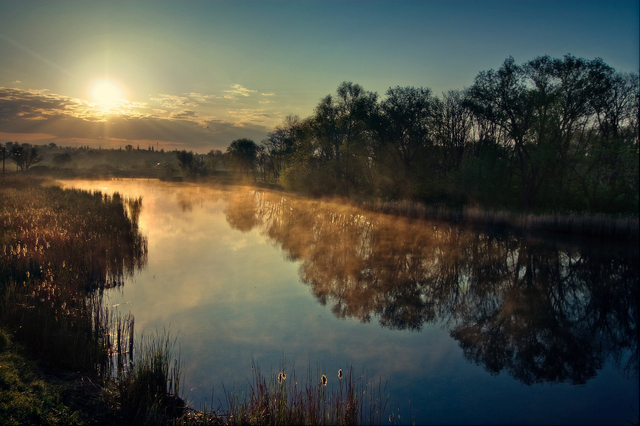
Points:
[(197, 75)]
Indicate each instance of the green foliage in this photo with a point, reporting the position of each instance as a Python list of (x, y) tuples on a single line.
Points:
[(25, 398)]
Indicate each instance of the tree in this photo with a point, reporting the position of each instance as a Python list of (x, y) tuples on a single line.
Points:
[(541, 107), (455, 129), (213, 160), (405, 127), (61, 159), (279, 145), (605, 163), (341, 134), (242, 155), (190, 164), (24, 155)]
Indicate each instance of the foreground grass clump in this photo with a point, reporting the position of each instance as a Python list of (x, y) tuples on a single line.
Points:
[(25, 398), (281, 400), (149, 388)]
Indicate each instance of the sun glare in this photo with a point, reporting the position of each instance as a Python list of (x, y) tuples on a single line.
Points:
[(106, 93)]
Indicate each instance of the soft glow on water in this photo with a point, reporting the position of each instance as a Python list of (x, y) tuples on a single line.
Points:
[(464, 324)]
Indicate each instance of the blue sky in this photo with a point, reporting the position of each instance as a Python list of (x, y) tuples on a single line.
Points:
[(197, 75)]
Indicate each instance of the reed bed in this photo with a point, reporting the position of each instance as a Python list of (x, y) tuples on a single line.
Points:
[(588, 224), (59, 251)]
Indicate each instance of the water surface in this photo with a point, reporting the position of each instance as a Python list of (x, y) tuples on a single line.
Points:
[(470, 326)]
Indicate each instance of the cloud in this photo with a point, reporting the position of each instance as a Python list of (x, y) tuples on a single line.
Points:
[(186, 114), (173, 101), (238, 90), (267, 94), (183, 121)]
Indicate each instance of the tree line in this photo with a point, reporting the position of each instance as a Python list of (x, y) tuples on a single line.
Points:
[(549, 134)]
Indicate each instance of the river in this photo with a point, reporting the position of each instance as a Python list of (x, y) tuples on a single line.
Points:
[(462, 325)]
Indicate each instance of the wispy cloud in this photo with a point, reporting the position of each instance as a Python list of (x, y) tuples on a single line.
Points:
[(238, 90), (173, 101)]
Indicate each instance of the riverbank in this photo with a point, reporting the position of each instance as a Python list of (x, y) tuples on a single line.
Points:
[(598, 225), (583, 224)]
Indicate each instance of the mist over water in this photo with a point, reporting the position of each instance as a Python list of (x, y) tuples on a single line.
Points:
[(471, 326)]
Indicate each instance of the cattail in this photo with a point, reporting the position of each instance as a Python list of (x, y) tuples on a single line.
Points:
[(324, 380), (340, 374)]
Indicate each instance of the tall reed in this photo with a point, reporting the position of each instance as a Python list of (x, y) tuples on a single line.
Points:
[(341, 399), (149, 385)]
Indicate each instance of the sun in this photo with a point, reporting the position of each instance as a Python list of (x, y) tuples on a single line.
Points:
[(106, 93)]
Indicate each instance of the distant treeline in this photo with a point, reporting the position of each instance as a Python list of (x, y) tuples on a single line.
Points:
[(550, 134), (557, 135)]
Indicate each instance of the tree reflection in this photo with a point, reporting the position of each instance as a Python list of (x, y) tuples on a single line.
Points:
[(241, 211), (541, 311)]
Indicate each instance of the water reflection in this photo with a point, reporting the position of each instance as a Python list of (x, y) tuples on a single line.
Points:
[(541, 311)]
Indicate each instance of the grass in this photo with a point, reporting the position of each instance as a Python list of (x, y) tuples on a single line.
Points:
[(149, 389), (281, 399), (25, 397)]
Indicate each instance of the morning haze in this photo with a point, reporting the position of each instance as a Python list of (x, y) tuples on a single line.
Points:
[(319, 212)]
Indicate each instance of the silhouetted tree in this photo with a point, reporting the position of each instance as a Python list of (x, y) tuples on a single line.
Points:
[(24, 155), (61, 159), (242, 155), (190, 164), (214, 160), (406, 125)]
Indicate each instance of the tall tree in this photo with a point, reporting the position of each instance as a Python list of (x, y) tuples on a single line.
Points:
[(190, 164), (279, 145), (341, 133), (405, 128), (541, 106), (242, 155)]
